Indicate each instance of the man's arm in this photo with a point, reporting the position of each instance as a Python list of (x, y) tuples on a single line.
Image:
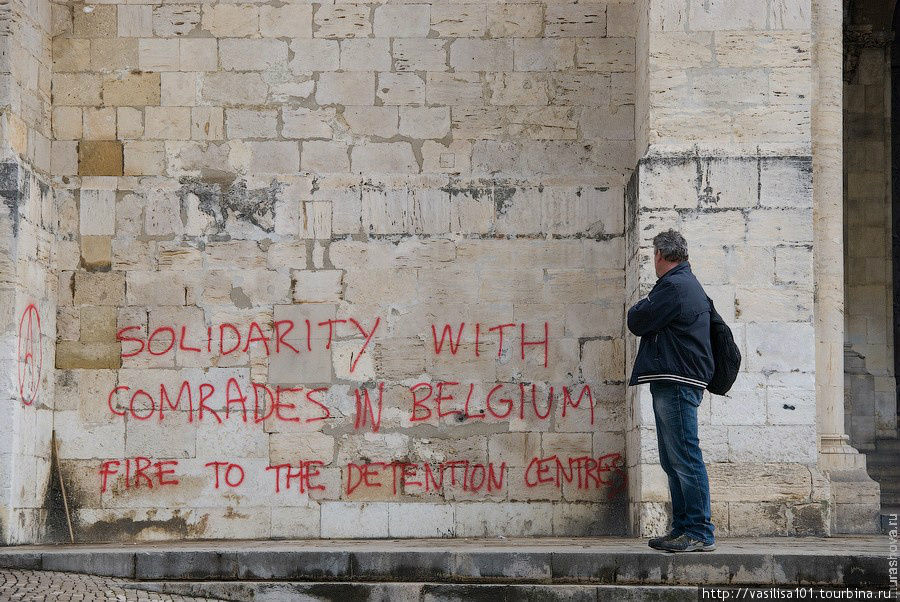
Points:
[(653, 313)]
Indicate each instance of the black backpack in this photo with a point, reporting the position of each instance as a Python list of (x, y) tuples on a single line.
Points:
[(726, 355)]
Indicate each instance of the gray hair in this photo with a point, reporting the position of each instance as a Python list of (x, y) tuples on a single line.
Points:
[(671, 245)]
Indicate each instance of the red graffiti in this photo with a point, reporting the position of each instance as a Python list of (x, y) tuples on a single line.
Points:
[(136, 472), (447, 336), (29, 354), (584, 472), (265, 403), (503, 401), (227, 338), (303, 474), (232, 476), (407, 477), (365, 413)]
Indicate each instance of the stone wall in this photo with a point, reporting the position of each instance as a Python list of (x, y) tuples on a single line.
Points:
[(27, 279), (724, 134), (271, 172)]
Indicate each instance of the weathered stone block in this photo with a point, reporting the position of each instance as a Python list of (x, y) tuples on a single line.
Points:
[(100, 158), (132, 89)]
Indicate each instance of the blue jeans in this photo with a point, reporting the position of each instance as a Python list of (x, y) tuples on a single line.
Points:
[(675, 409)]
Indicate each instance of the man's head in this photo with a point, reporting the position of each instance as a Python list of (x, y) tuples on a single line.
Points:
[(669, 249)]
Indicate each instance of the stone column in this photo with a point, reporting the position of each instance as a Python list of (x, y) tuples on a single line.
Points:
[(855, 496)]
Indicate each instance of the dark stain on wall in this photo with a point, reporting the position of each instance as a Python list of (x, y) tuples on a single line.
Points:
[(231, 198)]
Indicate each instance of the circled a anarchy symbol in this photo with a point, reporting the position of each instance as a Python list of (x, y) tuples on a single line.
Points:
[(30, 356)]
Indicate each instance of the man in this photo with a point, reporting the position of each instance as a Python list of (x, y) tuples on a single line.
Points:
[(675, 359)]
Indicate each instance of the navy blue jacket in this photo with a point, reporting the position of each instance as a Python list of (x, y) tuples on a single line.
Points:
[(673, 323)]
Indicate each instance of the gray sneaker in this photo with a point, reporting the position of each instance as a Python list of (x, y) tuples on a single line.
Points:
[(686, 543), (656, 542)]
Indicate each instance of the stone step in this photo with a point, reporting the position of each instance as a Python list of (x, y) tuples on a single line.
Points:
[(454, 592), (837, 561)]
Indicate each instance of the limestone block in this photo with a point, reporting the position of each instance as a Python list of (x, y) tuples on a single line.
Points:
[(179, 88), (766, 305), (603, 360), (400, 89), (79, 440), (207, 123), (132, 89), (790, 405), (307, 123), (419, 54), (324, 156), (171, 20), (773, 226), (291, 448), (575, 20), (621, 19), (233, 438), (762, 49), (64, 158), (293, 20), (346, 88), (75, 354), (76, 89), (518, 88), (158, 54), (97, 212), (129, 123), (785, 183), (580, 89), (459, 20), (679, 50), (402, 21), (274, 157), (317, 286), (515, 449), (98, 23), (342, 21), (96, 252), (456, 158), (477, 122), (780, 346), (470, 54), (71, 54), (365, 54), (380, 285), (230, 20), (719, 15), (432, 520), (602, 54), (167, 123), (198, 54), (383, 157), (514, 20), (67, 123), (155, 288), (424, 122), (249, 54), (723, 227), (353, 519), (482, 519), (314, 55), (453, 89), (99, 123), (542, 123), (115, 53), (298, 522), (774, 443), (247, 123), (372, 121), (233, 88), (173, 437)]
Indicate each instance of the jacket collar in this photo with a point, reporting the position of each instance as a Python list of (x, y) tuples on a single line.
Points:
[(681, 267)]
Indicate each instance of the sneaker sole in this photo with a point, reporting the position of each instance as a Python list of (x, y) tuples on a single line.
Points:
[(708, 548)]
